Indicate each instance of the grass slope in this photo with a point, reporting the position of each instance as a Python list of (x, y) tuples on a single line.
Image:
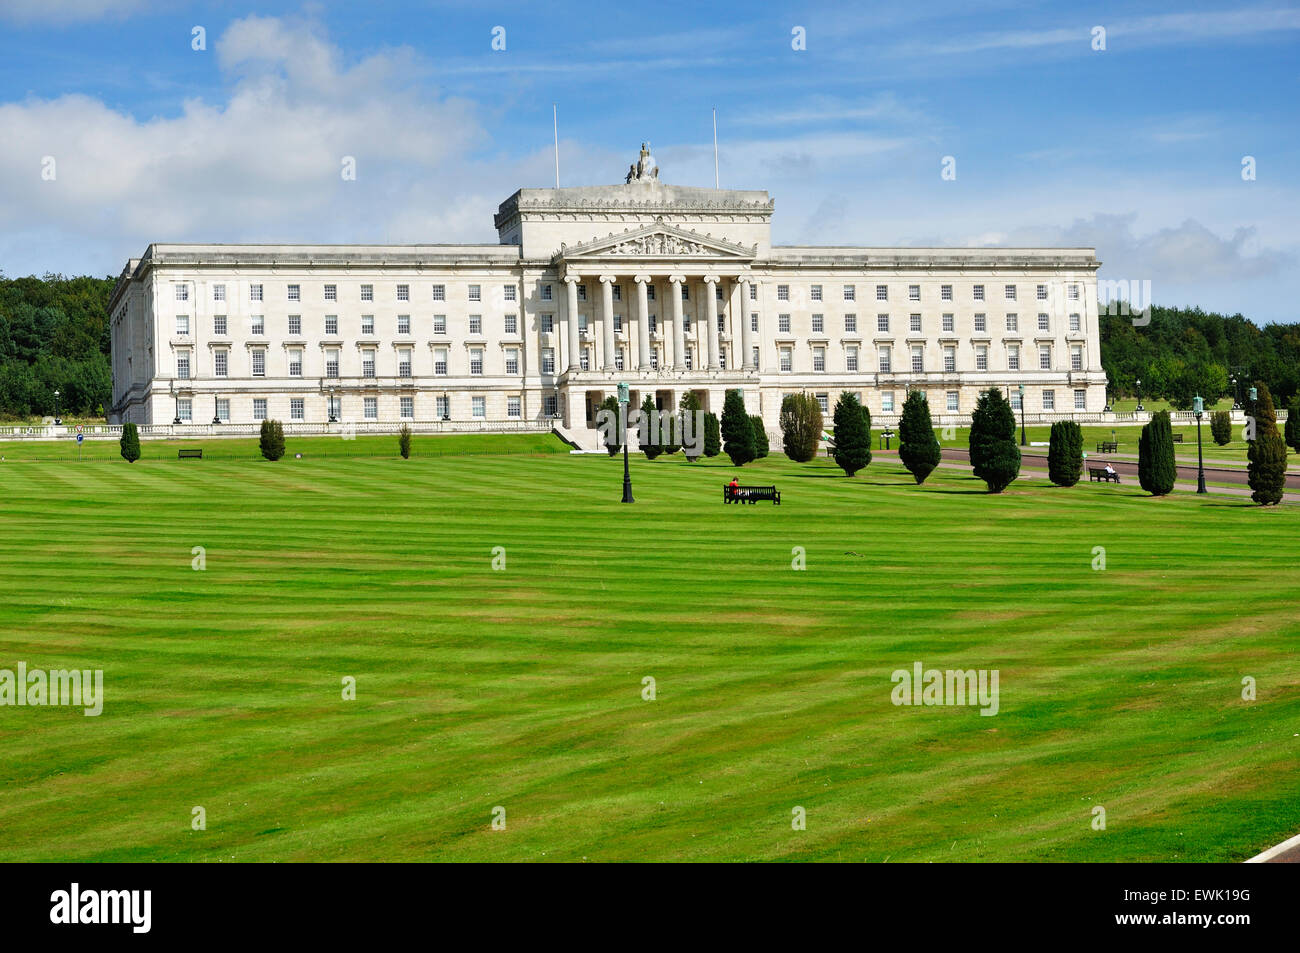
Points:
[(522, 688)]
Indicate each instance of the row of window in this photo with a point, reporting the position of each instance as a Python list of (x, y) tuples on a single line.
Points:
[(546, 323), (369, 408), (885, 358), (509, 292), (952, 400)]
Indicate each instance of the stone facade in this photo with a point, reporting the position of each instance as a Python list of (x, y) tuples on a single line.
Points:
[(667, 287)]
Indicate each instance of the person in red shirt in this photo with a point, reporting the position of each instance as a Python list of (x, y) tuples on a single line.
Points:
[(734, 487)]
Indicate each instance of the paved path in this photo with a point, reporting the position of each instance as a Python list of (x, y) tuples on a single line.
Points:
[(1287, 852)]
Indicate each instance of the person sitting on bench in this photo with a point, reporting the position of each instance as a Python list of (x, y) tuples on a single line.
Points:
[(1110, 471), (734, 487)]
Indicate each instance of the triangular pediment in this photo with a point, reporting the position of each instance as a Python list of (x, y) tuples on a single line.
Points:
[(659, 240)]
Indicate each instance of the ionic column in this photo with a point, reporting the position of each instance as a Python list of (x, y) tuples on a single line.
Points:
[(679, 336), (642, 322), (571, 306), (711, 312), (607, 322), (746, 332)]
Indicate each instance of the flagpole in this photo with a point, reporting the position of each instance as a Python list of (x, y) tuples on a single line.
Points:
[(715, 149), (555, 123)]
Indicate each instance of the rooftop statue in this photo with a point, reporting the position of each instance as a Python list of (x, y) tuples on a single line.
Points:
[(645, 169)]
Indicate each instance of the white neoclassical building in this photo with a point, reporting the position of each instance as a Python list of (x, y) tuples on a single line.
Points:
[(669, 288)]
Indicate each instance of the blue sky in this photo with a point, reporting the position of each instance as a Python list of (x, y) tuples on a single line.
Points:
[(1136, 149)]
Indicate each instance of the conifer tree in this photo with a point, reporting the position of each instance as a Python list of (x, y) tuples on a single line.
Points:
[(918, 447), (1156, 470), (852, 449), (994, 455), (1266, 469), (1064, 453), (130, 443), (737, 431)]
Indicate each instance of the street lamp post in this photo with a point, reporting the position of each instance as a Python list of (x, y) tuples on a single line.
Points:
[(1198, 408), (1254, 395), (1140, 408), (334, 417), (622, 425), (57, 418), (1021, 389)]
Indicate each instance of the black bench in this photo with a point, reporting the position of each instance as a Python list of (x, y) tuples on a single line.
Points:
[(750, 494), (189, 454), (1178, 438), (1096, 474), (1108, 446)]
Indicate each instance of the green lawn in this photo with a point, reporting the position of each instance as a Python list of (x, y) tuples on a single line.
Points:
[(522, 688)]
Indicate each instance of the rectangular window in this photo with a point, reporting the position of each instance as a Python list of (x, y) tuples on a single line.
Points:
[(690, 359), (478, 406), (782, 292), (686, 323), (753, 291), (332, 363), (183, 365), (1080, 400), (913, 292), (851, 359), (618, 291), (954, 401), (1076, 358), (1049, 399), (979, 292), (850, 324), (332, 324), (547, 323), (476, 324), (295, 325), (509, 293), (367, 324), (1013, 358), (546, 293), (331, 292), (1045, 358), (882, 292), (950, 360), (1011, 292), (945, 292), (439, 324), (221, 363), (259, 408), (370, 407), (887, 402), (815, 292), (182, 292), (753, 321), (296, 408), (548, 360), (295, 362), (182, 324), (882, 323), (1042, 292), (476, 293), (818, 324), (551, 405), (649, 291), (403, 292), (367, 292), (257, 324), (981, 358), (783, 323), (787, 360), (403, 324), (1075, 323), (981, 323), (407, 405), (948, 323), (918, 360), (1043, 321), (654, 358), (513, 407), (404, 362), (440, 361), (582, 292), (294, 292), (1013, 322), (223, 409), (185, 409), (618, 324), (755, 355), (219, 324), (824, 402), (512, 324), (584, 359), (1015, 398), (1072, 292), (439, 292), (914, 323), (886, 359), (850, 293), (476, 360), (259, 363), (218, 292), (368, 363), (254, 292), (819, 359), (442, 407), (654, 324), (512, 361), (717, 292)]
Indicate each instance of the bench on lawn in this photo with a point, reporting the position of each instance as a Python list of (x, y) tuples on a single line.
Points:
[(1108, 446), (189, 454), (1099, 474), (1178, 438), (750, 494)]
